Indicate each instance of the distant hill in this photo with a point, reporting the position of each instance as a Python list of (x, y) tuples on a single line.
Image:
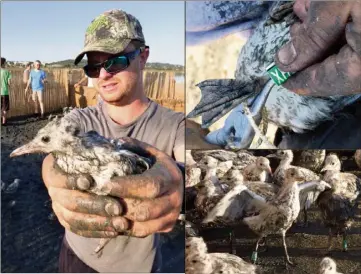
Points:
[(156, 66)]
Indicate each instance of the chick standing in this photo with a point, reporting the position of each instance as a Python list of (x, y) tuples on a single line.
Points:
[(339, 204), (210, 191), (88, 153), (275, 216), (286, 157)]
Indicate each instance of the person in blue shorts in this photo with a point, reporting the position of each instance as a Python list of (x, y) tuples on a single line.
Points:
[(37, 79)]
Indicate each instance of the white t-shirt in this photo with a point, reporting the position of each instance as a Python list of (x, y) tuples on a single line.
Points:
[(90, 82)]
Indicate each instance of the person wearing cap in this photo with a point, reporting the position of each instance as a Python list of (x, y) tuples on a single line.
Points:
[(144, 205)]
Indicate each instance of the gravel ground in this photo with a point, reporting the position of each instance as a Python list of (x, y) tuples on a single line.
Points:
[(306, 245), (30, 234)]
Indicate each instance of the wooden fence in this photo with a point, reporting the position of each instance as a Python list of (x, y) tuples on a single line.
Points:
[(60, 92)]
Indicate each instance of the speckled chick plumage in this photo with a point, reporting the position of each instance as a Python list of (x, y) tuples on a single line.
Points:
[(311, 159), (210, 191), (357, 158), (328, 266), (198, 260), (338, 205), (257, 171)]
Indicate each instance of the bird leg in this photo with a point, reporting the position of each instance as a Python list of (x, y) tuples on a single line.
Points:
[(233, 250), (254, 254), (305, 219), (258, 133), (344, 242), (285, 247), (101, 245), (330, 236), (263, 244)]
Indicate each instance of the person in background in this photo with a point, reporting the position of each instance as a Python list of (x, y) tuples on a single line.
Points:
[(82, 81), (26, 76), (26, 73), (37, 79), (89, 84), (5, 83)]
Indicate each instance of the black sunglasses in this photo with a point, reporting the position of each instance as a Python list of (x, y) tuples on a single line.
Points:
[(112, 65)]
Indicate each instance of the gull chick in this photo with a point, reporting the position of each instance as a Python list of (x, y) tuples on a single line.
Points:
[(328, 266), (199, 261), (88, 153), (258, 170), (338, 205), (286, 157), (275, 215)]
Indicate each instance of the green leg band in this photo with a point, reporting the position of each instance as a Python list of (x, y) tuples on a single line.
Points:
[(254, 256)]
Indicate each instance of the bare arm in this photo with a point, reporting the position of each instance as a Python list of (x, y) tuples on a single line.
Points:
[(28, 84), (179, 154), (82, 81)]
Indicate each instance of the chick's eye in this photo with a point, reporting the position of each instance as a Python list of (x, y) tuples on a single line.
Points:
[(333, 164), (45, 139)]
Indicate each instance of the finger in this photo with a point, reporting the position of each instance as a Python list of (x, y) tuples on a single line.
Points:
[(300, 8), (87, 222), (54, 176), (337, 75), (141, 210), (143, 229), (163, 176), (85, 202), (324, 26), (95, 234)]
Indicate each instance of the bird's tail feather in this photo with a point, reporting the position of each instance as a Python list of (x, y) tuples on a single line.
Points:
[(221, 96)]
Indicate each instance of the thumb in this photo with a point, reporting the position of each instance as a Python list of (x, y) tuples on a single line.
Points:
[(313, 39)]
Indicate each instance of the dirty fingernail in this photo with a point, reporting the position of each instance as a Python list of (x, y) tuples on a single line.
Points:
[(287, 54), (112, 209), (111, 234), (120, 224), (83, 183)]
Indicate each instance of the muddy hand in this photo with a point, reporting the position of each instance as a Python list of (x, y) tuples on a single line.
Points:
[(85, 214), (325, 50), (152, 200)]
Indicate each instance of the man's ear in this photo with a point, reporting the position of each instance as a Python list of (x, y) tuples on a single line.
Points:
[(144, 57)]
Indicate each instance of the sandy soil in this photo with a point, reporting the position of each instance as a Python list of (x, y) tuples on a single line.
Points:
[(214, 60), (30, 233), (306, 245)]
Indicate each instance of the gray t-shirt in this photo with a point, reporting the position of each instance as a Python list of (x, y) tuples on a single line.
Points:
[(157, 126)]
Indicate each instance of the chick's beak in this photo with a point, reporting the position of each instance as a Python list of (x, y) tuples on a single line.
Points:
[(272, 156), (324, 169), (269, 170), (25, 149)]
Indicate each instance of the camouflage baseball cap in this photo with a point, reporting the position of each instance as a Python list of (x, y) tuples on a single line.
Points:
[(111, 33)]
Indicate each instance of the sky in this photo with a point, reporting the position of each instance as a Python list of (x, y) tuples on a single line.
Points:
[(54, 30)]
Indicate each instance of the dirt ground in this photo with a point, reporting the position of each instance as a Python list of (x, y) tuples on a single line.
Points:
[(306, 245), (30, 233)]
